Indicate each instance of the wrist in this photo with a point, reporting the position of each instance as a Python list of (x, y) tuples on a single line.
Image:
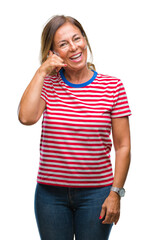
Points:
[(118, 191), (41, 72), (114, 195)]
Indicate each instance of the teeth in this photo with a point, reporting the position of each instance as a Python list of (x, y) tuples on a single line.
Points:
[(76, 56)]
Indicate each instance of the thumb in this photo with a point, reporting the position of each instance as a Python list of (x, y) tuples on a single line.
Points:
[(102, 213)]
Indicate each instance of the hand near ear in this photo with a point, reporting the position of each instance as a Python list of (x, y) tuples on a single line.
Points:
[(53, 63)]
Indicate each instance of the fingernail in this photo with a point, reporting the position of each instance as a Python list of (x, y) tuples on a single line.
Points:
[(100, 217)]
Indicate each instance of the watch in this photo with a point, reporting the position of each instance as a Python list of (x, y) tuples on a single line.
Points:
[(119, 191)]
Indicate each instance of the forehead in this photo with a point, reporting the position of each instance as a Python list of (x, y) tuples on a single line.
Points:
[(67, 30)]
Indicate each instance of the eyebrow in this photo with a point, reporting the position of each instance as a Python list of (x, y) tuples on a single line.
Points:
[(66, 40)]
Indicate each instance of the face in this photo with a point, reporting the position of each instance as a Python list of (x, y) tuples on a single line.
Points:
[(71, 46)]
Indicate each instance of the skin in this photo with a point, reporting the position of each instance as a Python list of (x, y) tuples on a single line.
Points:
[(68, 41), (121, 138)]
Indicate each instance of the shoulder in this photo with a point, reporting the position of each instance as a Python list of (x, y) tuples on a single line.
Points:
[(108, 80)]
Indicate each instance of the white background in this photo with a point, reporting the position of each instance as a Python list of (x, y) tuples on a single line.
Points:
[(118, 34)]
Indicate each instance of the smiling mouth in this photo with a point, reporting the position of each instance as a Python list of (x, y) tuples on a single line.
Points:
[(76, 56)]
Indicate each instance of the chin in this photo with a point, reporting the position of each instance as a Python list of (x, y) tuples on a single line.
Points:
[(76, 67)]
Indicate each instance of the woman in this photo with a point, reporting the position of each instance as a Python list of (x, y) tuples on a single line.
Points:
[(76, 193)]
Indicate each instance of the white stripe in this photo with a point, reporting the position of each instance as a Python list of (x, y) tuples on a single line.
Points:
[(78, 175), (103, 84), (64, 106), (120, 115), (70, 155), (84, 114), (78, 184), (65, 103), (76, 127), (81, 123), (98, 161), (102, 162), (60, 133), (69, 170), (74, 99), (75, 137), (70, 150), (82, 93), (97, 98), (57, 165), (120, 110), (73, 179), (70, 146), (85, 118), (95, 118), (72, 141), (74, 131), (120, 105)]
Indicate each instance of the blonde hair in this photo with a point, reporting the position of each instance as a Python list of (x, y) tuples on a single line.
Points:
[(49, 31)]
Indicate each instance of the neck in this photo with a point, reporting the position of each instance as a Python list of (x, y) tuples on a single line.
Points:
[(79, 76)]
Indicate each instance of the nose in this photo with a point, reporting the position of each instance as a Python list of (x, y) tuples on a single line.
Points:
[(73, 46)]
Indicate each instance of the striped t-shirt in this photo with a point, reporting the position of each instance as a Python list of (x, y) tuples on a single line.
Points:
[(75, 141)]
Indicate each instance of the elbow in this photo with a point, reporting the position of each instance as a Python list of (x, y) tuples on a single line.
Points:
[(23, 119), (125, 148)]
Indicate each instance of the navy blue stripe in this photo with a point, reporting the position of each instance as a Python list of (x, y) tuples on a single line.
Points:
[(77, 85)]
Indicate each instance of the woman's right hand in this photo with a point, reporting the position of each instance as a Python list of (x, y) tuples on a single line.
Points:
[(31, 105), (53, 63)]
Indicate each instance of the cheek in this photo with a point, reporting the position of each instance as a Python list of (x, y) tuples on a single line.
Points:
[(63, 54), (85, 51), (84, 44)]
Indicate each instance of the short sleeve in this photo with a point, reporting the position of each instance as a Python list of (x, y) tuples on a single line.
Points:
[(120, 102)]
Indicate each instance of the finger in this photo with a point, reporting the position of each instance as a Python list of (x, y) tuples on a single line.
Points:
[(116, 221), (107, 220), (111, 218), (59, 68), (102, 213), (57, 65), (57, 57), (56, 53)]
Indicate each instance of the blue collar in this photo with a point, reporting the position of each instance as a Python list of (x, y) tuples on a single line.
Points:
[(77, 85)]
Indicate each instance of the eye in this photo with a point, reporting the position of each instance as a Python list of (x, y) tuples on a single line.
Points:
[(77, 38), (63, 44)]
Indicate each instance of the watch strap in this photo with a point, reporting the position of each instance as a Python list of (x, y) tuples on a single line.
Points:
[(119, 191), (115, 189)]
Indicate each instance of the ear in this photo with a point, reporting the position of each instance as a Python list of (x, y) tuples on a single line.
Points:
[(85, 47), (50, 53)]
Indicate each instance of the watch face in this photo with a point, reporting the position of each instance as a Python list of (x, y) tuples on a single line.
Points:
[(122, 192)]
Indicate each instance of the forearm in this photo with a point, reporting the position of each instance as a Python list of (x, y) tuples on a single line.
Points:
[(122, 162), (29, 104), (111, 206), (121, 139)]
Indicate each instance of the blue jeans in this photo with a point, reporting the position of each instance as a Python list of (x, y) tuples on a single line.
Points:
[(63, 212)]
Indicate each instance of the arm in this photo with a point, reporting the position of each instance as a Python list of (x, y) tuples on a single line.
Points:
[(121, 138), (31, 105)]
